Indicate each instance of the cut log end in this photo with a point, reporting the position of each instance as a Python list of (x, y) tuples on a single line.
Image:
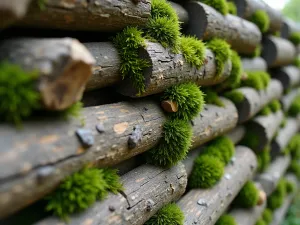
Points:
[(169, 106), (262, 198)]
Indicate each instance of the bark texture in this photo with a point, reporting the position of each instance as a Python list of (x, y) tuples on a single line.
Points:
[(278, 51), (206, 23), (254, 64), (287, 100), (181, 12), (97, 15), (205, 206), (63, 64), (289, 76)]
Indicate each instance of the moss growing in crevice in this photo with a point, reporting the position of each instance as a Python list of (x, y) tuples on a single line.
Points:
[(267, 216), (220, 5), (295, 38), (251, 139), (265, 111), (170, 214), (294, 109), (231, 8), (226, 220), (275, 106), (295, 168), (261, 19), (290, 187), (235, 96), (260, 222), (248, 196), (294, 147), (275, 200), (258, 80), (297, 62), (264, 159), (256, 53), (211, 97)]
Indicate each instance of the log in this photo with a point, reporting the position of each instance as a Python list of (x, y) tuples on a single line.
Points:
[(278, 51), (63, 64), (254, 100), (183, 15), (54, 148), (206, 23), (95, 15), (254, 64), (205, 206), (237, 134), (287, 100), (289, 76), (270, 178), (146, 189), (289, 27)]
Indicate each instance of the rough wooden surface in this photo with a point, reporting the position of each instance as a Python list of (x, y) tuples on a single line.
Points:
[(278, 51), (206, 23), (181, 12), (254, 64), (97, 15), (168, 69), (289, 76), (287, 100), (205, 206), (63, 64), (254, 100), (147, 189)]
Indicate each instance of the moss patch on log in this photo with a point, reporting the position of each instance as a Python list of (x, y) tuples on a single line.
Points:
[(275, 200), (226, 220), (263, 159), (220, 5), (295, 168), (251, 139), (293, 147), (258, 80), (231, 8), (260, 222), (211, 97), (248, 196), (235, 96), (261, 19), (294, 109), (267, 215), (297, 62), (295, 38)]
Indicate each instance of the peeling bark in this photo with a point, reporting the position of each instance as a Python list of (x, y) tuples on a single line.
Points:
[(254, 64), (287, 100), (181, 12), (289, 76)]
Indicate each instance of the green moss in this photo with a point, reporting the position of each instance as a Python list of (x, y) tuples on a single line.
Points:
[(211, 97), (295, 168), (219, 5), (174, 144), (260, 222), (112, 179), (231, 8), (248, 196), (258, 80), (235, 96), (294, 147), (265, 111), (294, 109), (256, 53), (128, 43), (251, 139), (193, 51), (261, 19), (276, 199), (283, 123), (162, 8), (295, 38), (170, 214), (42, 4), (290, 187), (207, 171), (297, 62), (189, 99), (222, 52), (266, 78), (18, 94), (264, 159), (226, 220), (267, 216)]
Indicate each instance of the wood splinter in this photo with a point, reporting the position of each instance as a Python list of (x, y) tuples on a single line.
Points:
[(169, 106)]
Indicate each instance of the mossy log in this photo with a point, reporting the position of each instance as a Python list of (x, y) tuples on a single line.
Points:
[(270, 178), (246, 8), (54, 148), (278, 51), (206, 23), (64, 66), (254, 64), (96, 15), (205, 206), (254, 100), (288, 28), (289, 76), (287, 100), (146, 189), (183, 15)]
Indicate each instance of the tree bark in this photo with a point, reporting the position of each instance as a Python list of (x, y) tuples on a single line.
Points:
[(146, 189), (96, 15), (287, 100), (205, 206), (254, 64), (289, 76), (63, 64), (278, 51), (183, 15), (206, 23)]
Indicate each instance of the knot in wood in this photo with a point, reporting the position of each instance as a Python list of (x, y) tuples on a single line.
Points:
[(149, 205), (135, 137)]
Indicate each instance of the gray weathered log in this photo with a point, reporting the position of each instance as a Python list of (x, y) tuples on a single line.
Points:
[(53, 147), (288, 28), (270, 178), (205, 206), (289, 76), (278, 51), (181, 12), (206, 23), (64, 66), (97, 15), (146, 189), (237, 134), (254, 64), (254, 100), (287, 100)]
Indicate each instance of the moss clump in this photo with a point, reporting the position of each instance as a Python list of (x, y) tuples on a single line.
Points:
[(189, 99), (232, 8), (170, 214), (260, 222), (295, 38), (267, 216), (222, 52), (265, 111), (18, 94), (263, 159), (251, 139), (193, 51), (266, 78), (258, 80), (294, 109), (207, 171), (276, 199), (248, 196), (226, 220), (256, 53), (294, 147), (297, 62), (235, 96), (275, 106), (295, 168), (261, 19), (290, 187), (81, 190), (174, 144), (161, 8), (220, 5), (211, 97), (283, 123)]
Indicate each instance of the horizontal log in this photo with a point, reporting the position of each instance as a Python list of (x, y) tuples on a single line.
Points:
[(254, 100), (270, 178), (182, 14), (288, 28), (97, 15), (64, 66), (206, 23), (254, 64), (54, 147), (205, 206), (278, 51), (289, 76), (237, 134), (287, 100)]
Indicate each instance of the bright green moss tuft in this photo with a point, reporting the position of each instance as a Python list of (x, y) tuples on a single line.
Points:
[(276, 199), (189, 99), (260, 222), (207, 171), (162, 8), (18, 94), (257, 80), (211, 97), (170, 214), (265, 111), (297, 62), (294, 109), (248, 196), (235, 96), (267, 216), (264, 159), (232, 8), (251, 139), (219, 5), (112, 179), (174, 144), (226, 220), (275, 106), (290, 187), (266, 78), (294, 147), (295, 168), (193, 51), (295, 38), (261, 19), (222, 52)]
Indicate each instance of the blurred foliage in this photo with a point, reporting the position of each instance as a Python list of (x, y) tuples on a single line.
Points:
[(293, 215), (291, 10)]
